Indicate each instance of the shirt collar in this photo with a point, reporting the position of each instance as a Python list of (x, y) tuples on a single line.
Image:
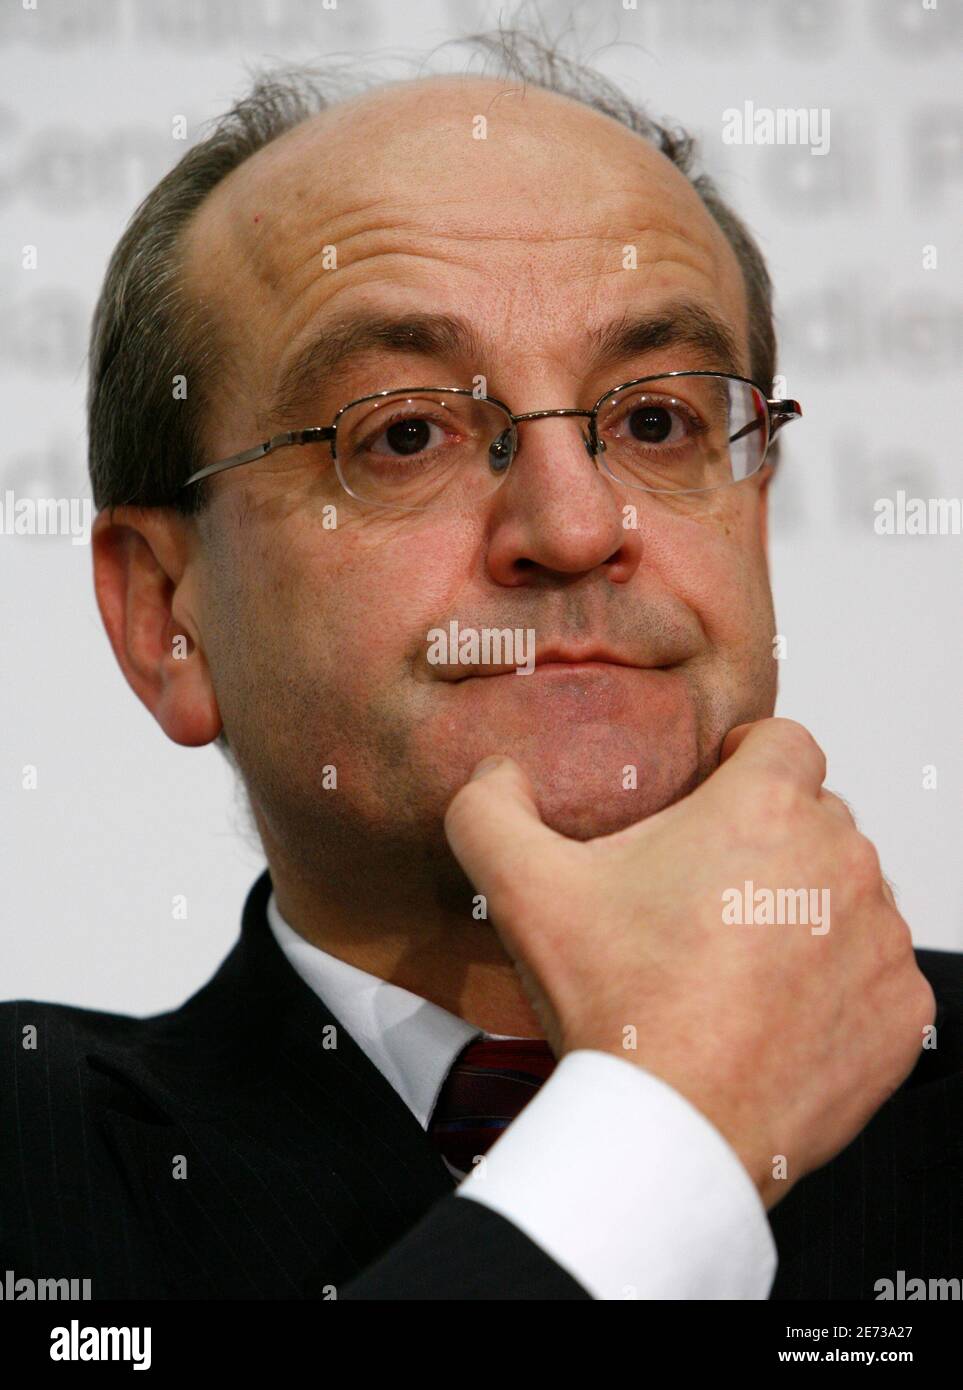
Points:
[(411, 1041)]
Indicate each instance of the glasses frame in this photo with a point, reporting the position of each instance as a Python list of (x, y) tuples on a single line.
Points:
[(778, 413)]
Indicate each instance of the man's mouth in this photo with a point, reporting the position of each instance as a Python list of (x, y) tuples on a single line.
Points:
[(550, 659)]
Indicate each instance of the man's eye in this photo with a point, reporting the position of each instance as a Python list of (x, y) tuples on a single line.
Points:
[(402, 438), (654, 423)]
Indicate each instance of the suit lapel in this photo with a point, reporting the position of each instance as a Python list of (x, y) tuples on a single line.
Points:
[(266, 1154)]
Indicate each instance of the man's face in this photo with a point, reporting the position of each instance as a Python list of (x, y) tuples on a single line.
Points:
[(317, 638)]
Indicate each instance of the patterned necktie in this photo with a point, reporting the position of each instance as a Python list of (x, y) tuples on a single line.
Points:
[(490, 1082)]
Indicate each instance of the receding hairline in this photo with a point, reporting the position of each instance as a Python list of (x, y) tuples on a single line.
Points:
[(191, 251), (374, 98)]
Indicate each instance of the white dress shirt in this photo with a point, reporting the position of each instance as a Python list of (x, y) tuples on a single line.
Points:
[(608, 1169)]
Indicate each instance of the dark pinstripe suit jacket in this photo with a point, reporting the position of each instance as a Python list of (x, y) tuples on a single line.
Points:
[(305, 1171)]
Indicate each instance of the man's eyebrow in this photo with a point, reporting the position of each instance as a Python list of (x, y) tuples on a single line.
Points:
[(681, 323), (334, 346)]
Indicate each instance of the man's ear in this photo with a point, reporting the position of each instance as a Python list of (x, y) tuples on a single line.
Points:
[(145, 581)]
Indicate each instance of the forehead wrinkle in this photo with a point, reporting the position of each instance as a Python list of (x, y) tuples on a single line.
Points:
[(268, 270), (381, 254), (290, 188), (385, 250), (358, 243), (297, 203)]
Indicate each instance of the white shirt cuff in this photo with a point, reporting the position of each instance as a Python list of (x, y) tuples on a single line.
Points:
[(628, 1187)]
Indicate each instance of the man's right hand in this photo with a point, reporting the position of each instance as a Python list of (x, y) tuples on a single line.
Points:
[(788, 1041)]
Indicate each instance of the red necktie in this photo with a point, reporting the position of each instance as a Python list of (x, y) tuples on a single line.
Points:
[(490, 1082)]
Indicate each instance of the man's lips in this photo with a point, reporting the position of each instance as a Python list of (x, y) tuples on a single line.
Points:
[(562, 659)]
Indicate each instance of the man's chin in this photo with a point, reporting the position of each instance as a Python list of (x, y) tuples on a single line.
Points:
[(585, 817), (600, 778)]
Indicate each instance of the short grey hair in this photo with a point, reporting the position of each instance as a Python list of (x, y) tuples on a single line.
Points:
[(143, 441)]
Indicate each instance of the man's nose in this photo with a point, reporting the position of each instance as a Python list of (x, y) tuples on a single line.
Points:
[(557, 512)]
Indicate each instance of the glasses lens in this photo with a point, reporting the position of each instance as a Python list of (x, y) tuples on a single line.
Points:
[(684, 433), (407, 448)]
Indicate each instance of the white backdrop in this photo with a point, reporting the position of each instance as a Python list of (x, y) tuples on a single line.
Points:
[(864, 247)]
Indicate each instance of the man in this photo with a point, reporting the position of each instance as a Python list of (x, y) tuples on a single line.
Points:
[(431, 428)]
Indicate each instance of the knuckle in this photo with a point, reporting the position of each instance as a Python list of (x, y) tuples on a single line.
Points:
[(839, 805), (862, 863), (894, 957), (775, 802), (796, 738), (782, 791), (898, 942), (924, 1001)]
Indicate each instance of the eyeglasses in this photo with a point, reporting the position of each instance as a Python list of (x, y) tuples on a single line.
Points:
[(675, 433)]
